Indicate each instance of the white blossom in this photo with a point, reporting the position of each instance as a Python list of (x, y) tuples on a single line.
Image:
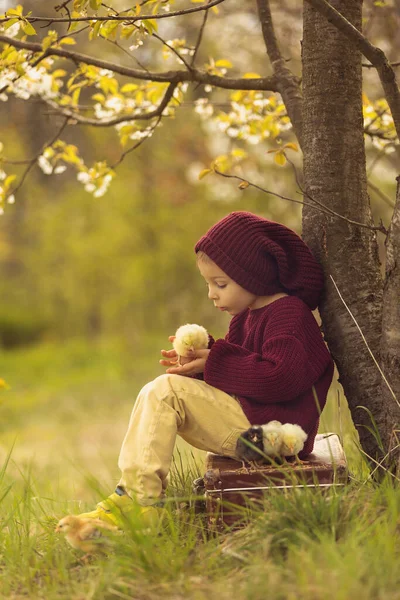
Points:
[(136, 45), (203, 107), (11, 199), (45, 165), (83, 177), (1, 210), (60, 169)]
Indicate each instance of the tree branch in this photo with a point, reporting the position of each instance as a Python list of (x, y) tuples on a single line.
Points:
[(126, 19), (374, 54), (316, 204), (70, 114), (288, 84), (261, 83)]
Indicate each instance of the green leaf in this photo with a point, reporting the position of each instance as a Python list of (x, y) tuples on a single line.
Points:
[(95, 4)]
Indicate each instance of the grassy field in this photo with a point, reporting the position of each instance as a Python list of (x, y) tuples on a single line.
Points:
[(61, 425)]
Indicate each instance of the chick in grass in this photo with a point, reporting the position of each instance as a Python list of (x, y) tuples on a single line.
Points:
[(188, 339), (250, 446), (293, 439), (272, 440), (87, 535)]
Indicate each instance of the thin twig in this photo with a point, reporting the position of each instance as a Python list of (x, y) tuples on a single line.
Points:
[(35, 158), (118, 45), (199, 38), (135, 146), (381, 194), (174, 50), (321, 207), (369, 66), (366, 343), (380, 228), (380, 463), (127, 19)]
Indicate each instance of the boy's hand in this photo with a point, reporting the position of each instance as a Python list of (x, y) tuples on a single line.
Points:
[(195, 364), (172, 356), (190, 365)]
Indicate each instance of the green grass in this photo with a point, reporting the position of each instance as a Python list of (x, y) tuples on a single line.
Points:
[(62, 423)]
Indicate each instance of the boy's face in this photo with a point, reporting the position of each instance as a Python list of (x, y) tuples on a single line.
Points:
[(226, 294)]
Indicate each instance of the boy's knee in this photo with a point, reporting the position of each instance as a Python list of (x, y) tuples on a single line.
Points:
[(165, 384)]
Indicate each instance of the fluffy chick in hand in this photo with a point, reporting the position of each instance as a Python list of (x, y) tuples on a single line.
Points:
[(188, 339), (293, 439), (88, 535), (250, 445), (272, 438)]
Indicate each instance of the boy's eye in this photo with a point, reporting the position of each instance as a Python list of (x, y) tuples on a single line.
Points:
[(221, 286)]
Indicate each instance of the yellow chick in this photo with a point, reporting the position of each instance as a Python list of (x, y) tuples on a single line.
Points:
[(272, 438), (189, 338), (293, 439), (87, 535)]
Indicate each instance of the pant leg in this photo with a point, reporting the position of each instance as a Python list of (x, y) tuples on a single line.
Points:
[(172, 405)]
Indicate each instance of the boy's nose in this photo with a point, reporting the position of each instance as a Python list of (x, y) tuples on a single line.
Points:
[(212, 295)]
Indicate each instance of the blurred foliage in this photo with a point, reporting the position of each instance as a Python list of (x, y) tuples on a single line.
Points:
[(74, 263)]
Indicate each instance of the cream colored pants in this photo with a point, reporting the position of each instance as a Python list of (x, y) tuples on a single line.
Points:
[(172, 405)]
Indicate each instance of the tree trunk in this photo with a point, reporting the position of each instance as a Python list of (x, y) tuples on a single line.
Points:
[(335, 175), (390, 342)]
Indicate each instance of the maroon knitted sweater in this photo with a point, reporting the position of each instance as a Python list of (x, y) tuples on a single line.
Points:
[(270, 359)]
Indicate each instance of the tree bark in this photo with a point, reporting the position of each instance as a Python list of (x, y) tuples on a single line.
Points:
[(390, 342), (335, 174)]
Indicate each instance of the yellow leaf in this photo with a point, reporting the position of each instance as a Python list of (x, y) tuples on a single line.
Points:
[(98, 97), (9, 181), (15, 11), (215, 10), (224, 63), (58, 73), (138, 9), (28, 28), (204, 172), (251, 76), (292, 146), (129, 87), (239, 153), (280, 158), (3, 385), (243, 185), (69, 41)]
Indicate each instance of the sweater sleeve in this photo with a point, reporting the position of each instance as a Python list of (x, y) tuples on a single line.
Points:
[(279, 374)]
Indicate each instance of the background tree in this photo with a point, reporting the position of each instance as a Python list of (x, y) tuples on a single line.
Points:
[(55, 55)]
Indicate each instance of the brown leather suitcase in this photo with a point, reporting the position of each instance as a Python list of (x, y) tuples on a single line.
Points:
[(231, 489)]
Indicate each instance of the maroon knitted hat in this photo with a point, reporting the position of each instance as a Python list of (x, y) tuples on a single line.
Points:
[(263, 257)]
